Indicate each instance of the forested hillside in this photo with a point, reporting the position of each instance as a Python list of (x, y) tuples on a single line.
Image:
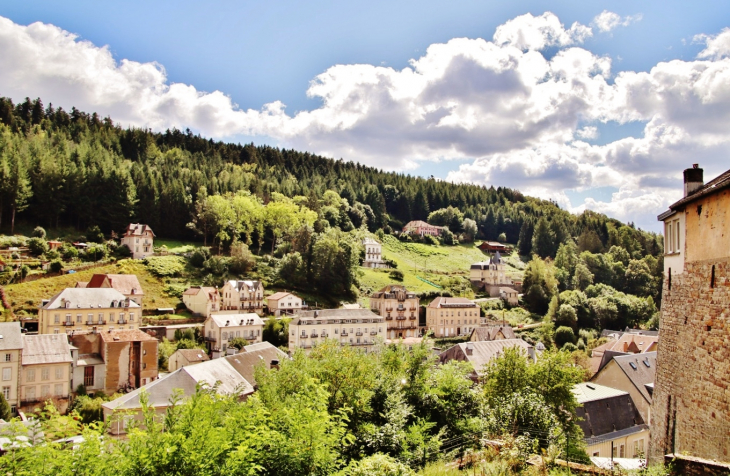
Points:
[(74, 168)]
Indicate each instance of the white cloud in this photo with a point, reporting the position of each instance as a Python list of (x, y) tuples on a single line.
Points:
[(607, 21), (521, 116)]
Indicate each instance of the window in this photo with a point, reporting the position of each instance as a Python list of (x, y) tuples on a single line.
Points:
[(622, 451), (58, 389), (89, 376), (56, 318), (30, 375), (45, 373), (121, 318), (59, 373), (639, 448), (45, 390), (30, 393), (131, 317), (6, 393), (111, 317), (8, 357)]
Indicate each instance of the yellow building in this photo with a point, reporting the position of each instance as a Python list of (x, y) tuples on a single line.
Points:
[(247, 296), (11, 345), (88, 309), (356, 327), (45, 372), (202, 300), (450, 316), (399, 307), (222, 327)]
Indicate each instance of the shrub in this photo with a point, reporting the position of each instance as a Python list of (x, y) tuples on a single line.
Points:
[(448, 238), (199, 256), (397, 275), (37, 246), (216, 265), (56, 266), (94, 234), (39, 232), (69, 252), (242, 260), (238, 343), (430, 240), (570, 347), (122, 252), (563, 335), (502, 238), (165, 265)]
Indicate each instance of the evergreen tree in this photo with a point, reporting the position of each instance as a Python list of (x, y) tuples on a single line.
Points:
[(543, 239), (524, 245)]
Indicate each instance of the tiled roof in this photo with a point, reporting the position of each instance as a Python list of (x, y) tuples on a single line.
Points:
[(88, 298), (483, 352), (193, 355), (124, 283), (125, 335), (10, 336), (720, 182), (482, 334), (238, 285), (138, 229), (394, 290), (245, 362), (46, 349), (237, 320), (194, 290), (279, 295), (605, 410), (441, 301)]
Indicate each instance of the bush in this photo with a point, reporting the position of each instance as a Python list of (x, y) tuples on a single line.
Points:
[(564, 335), (570, 347), (397, 275), (51, 255), (216, 265), (448, 238), (69, 252), (37, 246), (238, 343), (56, 266), (199, 256), (242, 260), (39, 232), (122, 252), (164, 266), (94, 234), (430, 240)]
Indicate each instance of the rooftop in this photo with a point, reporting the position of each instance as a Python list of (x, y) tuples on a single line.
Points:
[(640, 369), (245, 362), (441, 302), (324, 314), (720, 182), (489, 333), (233, 320), (589, 392), (124, 283), (483, 352), (138, 229), (46, 349), (193, 355), (10, 336), (126, 335), (279, 295), (89, 298)]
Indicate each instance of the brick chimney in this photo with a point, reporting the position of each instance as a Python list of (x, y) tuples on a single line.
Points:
[(693, 179)]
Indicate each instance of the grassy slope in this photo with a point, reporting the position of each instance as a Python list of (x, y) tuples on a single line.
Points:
[(433, 263), (28, 296)]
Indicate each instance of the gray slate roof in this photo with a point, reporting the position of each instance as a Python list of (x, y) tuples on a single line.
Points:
[(10, 336), (482, 352), (245, 362), (489, 333), (88, 298), (607, 411), (642, 375), (46, 349), (336, 314)]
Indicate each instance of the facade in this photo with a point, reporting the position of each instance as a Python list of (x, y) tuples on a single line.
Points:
[(399, 307), (509, 295), (356, 327), (182, 357), (202, 300), (479, 354), (127, 284), (11, 347), (449, 316), (611, 424), (247, 296), (419, 227), (373, 254), (632, 373), (691, 401), (45, 372), (88, 369), (283, 303), (139, 239), (490, 275), (222, 327), (129, 358), (88, 309)]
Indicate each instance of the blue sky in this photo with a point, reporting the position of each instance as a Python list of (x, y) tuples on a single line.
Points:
[(338, 78)]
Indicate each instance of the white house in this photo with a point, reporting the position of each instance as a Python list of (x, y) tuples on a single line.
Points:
[(373, 254), (202, 300), (247, 296), (139, 239), (284, 303), (222, 327)]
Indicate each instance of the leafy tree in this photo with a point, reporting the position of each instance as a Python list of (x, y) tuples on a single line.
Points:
[(37, 246), (94, 234), (238, 343), (448, 238), (539, 285), (470, 229), (396, 275), (543, 239), (563, 335), (638, 278), (378, 464), (449, 217), (39, 232), (5, 413), (566, 316), (524, 245), (56, 266), (582, 277), (502, 238)]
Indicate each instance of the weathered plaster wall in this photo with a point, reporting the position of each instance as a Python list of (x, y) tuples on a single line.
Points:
[(707, 224)]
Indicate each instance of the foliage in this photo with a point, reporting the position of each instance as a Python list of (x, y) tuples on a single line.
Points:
[(5, 413), (539, 285), (39, 232), (396, 275), (563, 335), (238, 343), (378, 464), (56, 266), (165, 265), (276, 331), (37, 246), (94, 234)]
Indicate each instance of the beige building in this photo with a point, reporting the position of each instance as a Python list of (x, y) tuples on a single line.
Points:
[(247, 296), (11, 346), (127, 284), (139, 239), (373, 254), (88, 309), (491, 276), (450, 316), (610, 422), (509, 296), (356, 327), (184, 357), (399, 307), (419, 227), (284, 303), (45, 372), (202, 300), (632, 373), (222, 327)]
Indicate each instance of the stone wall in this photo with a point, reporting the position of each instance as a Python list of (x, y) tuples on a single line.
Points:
[(691, 402)]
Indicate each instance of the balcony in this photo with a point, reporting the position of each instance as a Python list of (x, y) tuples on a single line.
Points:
[(123, 322), (388, 318), (401, 318), (373, 333), (210, 339), (68, 323), (343, 334), (324, 334), (358, 333), (303, 336), (314, 334), (413, 318), (305, 346), (101, 323)]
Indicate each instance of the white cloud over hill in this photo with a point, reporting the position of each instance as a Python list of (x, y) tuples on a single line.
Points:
[(525, 119)]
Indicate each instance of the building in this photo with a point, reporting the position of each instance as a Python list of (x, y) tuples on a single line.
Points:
[(422, 228), (88, 369), (11, 347), (127, 284), (356, 327), (231, 374), (610, 422), (632, 373), (373, 254), (509, 295), (494, 246), (490, 276), (88, 309), (479, 354), (400, 309), (626, 343), (452, 316), (488, 333), (183, 357), (129, 357), (284, 303), (691, 401), (247, 296), (139, 239), (222, 327), (202, 300), (45, 372)]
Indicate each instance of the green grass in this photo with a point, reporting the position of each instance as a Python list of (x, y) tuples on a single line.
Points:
[(175, 246)]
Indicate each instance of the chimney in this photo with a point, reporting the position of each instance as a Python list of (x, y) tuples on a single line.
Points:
[(469, 348), (274, 364), (693, 180)]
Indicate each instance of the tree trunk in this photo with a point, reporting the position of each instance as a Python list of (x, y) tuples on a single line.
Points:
[(12, 222)]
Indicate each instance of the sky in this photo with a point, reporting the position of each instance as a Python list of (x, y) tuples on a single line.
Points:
[(596, 105)]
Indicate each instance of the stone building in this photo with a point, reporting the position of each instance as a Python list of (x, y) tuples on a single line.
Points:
[(490, 276), (356, 327), (691, 400), (88, 309), (399, 307), (452, 316)]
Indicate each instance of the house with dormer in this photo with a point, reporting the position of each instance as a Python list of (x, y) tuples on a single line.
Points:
[(222, 327), (243, 295), (88, 309), (139, 239)]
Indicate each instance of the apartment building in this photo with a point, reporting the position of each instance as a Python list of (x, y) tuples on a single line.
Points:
[(222, 327), (452, 316), (399, 308), (11, 347), (88, 309), (361, 328), (246, 296), (45, 372)]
